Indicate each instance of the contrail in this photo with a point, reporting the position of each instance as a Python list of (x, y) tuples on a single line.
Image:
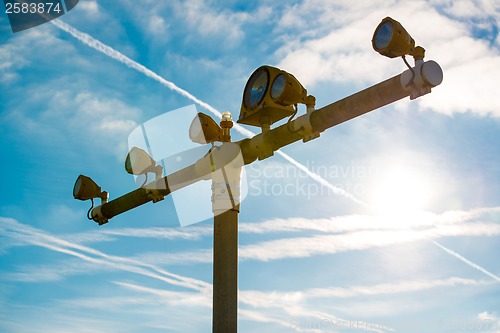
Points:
[(112, 53), (467, 261), (33, 236)]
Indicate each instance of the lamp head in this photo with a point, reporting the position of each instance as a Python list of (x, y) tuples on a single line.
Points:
[(269, 96), (138, 162), (392, 40), (85, 189), (204, 129), (226, 116)]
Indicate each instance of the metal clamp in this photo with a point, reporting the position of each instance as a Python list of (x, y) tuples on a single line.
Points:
[(155, 196), (303, 126), (420, 79)]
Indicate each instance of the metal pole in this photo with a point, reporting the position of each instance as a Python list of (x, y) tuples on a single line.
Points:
[(226, 205), (225, 280)]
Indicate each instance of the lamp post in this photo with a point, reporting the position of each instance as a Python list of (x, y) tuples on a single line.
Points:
[(270, 95)]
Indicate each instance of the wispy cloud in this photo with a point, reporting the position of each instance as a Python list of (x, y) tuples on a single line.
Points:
[(172, 297), (489, 321), (107, 235), (305, 307), (277, 298), (33, 236), (316, 236), (288, 308), (339, 49), (251, 305)]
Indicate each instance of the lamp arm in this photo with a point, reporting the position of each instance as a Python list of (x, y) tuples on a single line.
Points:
[(157, 190), (429, 75)]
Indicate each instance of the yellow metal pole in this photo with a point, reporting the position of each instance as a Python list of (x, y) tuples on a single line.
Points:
[(225, 274), (226, 206)]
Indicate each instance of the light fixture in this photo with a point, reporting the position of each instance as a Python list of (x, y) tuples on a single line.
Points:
[(138, 162), (392, 40), (270, 95), (86, 189), (204, 129), (226, 124), (226, 116)]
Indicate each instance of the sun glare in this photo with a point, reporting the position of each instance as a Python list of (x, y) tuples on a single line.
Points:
[(400, 190)]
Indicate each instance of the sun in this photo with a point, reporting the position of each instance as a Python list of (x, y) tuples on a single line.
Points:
[(400, 189)]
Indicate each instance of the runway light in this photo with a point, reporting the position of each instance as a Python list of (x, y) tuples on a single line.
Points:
[(226, 116), (138, 162), (226, 124), (256, 88), (204, 129), (392, 40), (269, 96), (85, 189)]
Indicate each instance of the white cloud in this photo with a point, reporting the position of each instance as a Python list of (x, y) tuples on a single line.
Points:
[(259, 300), (89, 6), (353, 232), (35, 237), (53, 319), (469, 8), (15, 53), (323, 236), (330, 236), (202, 298), (67, 116), (53, 272), (60, 108), (471, 87), (488, 322), (279, 298), (343, 54), (157, 25), (210, 22), (111, 115), (300, 247), (200, 21)]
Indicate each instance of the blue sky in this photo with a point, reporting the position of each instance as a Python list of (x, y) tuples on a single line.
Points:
[(421, 255)]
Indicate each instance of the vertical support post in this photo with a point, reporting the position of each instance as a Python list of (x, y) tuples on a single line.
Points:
[(225, 206), (225, 280)]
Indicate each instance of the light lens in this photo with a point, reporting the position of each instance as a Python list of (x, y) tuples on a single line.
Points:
[(204, 129), (256, 88), (278, 86), (76, 189), (383, 35), (85, 188), (138, 162), (196, 131), (226, 116)]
